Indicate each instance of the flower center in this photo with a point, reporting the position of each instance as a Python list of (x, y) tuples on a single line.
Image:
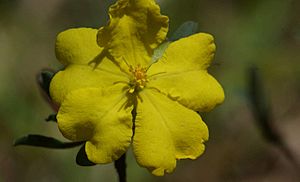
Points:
[(139, 79)]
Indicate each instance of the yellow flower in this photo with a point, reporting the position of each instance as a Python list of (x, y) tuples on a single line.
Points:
[(109, 74)]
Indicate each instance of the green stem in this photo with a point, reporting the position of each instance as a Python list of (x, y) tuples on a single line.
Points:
[(120, 166)]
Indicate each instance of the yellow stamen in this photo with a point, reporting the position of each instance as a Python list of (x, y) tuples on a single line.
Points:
[(139, 79)]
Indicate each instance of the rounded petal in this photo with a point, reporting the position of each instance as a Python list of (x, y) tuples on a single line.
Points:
[(102, 117), (165, 131), (81, 76), (77, 46), (134, 30), (181, 73), (196, 90), (190, 53)]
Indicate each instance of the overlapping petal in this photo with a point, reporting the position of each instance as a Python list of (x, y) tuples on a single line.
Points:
[(181, 73), (99, 74), (77, 46), (102, 117), (92, 91), (165, 131), (135, 28)]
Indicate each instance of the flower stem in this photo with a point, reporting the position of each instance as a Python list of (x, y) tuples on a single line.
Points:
[(120, 166)]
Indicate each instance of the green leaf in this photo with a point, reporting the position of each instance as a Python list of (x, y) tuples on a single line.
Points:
[(159, 51), (44, 79), (186, 29), (82, 159), (43, 141), (262, 111), (52, 117), (261, 107)]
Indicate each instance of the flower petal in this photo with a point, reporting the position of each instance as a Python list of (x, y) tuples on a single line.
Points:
[(77, 46), (134, 30), (196, 90), (181, 73), (102, 117), (80, 76), (194, 52), (166, 131)]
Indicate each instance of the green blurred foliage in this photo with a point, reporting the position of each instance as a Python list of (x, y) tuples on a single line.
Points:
[(264, 33)]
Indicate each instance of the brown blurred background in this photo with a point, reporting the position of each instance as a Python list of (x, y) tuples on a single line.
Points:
[(265, 33)]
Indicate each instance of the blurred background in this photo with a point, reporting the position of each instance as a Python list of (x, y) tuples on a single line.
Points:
[(264, 33)]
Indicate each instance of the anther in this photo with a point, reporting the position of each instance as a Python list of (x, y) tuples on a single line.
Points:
[(139, 79)]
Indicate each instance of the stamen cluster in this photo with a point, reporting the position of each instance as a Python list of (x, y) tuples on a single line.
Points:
[(139, 79)]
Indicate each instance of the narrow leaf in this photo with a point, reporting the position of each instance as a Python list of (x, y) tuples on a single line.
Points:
[(44, 79), (82, 159), (261, 107), (159, 51), (43, 141), (263, 114), (52, 117), (186, 29)]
